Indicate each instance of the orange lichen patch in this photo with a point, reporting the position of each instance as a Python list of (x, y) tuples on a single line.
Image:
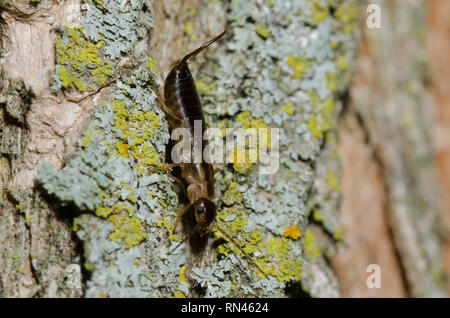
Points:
[(293, 232)]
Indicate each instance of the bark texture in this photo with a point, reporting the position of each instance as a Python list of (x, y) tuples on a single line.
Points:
[(390, 118)]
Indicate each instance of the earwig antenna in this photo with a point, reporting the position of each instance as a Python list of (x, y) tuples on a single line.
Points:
[(239, 247), (178, 245), (191, 55)]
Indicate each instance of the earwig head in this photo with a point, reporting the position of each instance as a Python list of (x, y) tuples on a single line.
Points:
[(205, 212)]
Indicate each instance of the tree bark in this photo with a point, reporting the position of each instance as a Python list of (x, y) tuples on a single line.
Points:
[(395, 218), (84, 213)]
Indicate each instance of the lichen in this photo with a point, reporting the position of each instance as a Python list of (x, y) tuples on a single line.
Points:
[(310, 248), (277, 69), (80, 62), (128, 229)]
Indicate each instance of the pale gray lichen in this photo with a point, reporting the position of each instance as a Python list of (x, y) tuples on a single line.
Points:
[(283, 63)]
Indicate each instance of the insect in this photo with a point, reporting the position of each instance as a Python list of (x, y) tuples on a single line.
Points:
[(182, 107)]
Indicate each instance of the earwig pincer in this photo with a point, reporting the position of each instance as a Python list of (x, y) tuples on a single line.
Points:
[(183, 108)]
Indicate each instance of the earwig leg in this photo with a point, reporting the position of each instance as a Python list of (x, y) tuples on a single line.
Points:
[(239, 247), (165, 108), (164, 167), (181, 212), (181, 184)]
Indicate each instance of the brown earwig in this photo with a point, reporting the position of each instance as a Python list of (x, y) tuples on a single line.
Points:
[(182, 107)]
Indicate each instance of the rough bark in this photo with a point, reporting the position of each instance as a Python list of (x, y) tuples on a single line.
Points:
[(82, 134), (438, 49), (390, 111)]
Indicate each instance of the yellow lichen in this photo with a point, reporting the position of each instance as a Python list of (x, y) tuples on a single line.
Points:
[(341, 62), (122, 149), (151, 64), (262, 30), (117, 208), (338, 234), (204, 88), (273, 257), (347, 13), (298, 65), (140, 127), (310, 248), (232, 195), (288, 108), (332, 181), (320, 11), (332, 81), (80, 59), (317, 216), (128, 229), (322, 120), (88, 266)]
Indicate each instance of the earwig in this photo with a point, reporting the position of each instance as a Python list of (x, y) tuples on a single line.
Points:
[(182, 107)]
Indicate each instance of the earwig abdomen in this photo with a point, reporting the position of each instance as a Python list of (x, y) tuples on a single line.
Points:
[(180, 95), (183, 110)]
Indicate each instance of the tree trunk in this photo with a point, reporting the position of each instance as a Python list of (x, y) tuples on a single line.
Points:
[(391, 212), (87, 209)]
